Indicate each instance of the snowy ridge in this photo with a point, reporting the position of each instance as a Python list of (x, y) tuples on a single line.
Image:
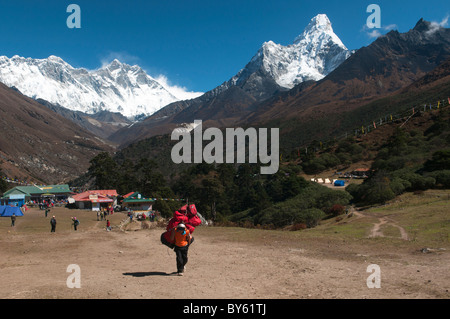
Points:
[(117, 87), (314, 54)]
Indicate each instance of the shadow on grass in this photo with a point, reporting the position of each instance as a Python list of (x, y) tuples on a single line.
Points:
[(149, 273)]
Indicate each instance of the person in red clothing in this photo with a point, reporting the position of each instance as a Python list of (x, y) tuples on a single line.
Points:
[(182, 238), (108, 225)]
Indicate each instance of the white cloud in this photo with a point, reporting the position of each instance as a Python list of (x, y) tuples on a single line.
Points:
[(374, 34), (390, 27), (434, 26), (180, 92)]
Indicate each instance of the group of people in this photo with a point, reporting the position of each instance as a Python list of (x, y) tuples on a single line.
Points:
[(46, 203), (104, 211), (75, 223)]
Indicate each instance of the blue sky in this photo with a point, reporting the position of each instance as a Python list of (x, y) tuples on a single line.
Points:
[(194, 44)]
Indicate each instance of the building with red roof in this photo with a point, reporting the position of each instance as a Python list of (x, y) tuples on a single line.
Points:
[(95, 199)]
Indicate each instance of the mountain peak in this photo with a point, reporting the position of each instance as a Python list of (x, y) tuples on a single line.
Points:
[(319, 21), (422, 25), (314, 54), (318, 25), (55, 58), (115, 64)]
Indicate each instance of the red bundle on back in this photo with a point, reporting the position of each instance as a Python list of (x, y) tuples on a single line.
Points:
[(192, 211), (186, 215), (194, 221), (190, 228), (183, 209)]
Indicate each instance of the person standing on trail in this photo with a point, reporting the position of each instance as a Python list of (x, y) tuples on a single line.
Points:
[(108, 225), (75, 223), (53, 223), (182, 238), (13, 220)]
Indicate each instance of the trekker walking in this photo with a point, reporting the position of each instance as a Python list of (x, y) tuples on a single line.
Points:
[(53, 223), (76, 222), (13, 220), (182, 238)]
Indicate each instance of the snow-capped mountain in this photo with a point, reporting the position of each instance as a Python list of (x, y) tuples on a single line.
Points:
[(116, 87), (313, 55)]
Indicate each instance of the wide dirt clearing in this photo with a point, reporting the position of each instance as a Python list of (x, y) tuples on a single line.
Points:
[(329, 261)]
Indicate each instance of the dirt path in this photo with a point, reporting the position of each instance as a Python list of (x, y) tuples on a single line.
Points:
[(376, 231), (134, 264)]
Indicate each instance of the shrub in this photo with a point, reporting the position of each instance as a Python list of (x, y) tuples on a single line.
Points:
[(336, 210), (298, 226), (375, 190), (397, 185), (442, 178), (312, 217), (418, 182), (439, 161)]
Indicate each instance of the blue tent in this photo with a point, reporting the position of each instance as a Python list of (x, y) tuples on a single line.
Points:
[(339, 183), (8, 211)]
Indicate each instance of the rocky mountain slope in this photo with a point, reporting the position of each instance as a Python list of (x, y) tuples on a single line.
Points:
[(37, 144)]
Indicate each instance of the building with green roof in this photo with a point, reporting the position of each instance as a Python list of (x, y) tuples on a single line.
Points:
[(36, 193), (137, 202)]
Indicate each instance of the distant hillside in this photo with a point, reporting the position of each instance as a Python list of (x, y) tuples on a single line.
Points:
[(102, 124), (430, 88), (37, 144)]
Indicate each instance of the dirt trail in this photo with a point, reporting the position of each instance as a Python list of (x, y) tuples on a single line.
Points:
[(376, 231), (130, 262), (134, 264)]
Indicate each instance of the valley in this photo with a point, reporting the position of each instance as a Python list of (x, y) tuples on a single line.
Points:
[(311, 164)]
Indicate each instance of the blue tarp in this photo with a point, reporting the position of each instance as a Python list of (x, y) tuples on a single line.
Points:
[(339, 183), (8, 211)]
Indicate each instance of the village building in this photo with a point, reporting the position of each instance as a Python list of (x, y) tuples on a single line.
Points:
[(137, 202), (20, 195), (95, 200)]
